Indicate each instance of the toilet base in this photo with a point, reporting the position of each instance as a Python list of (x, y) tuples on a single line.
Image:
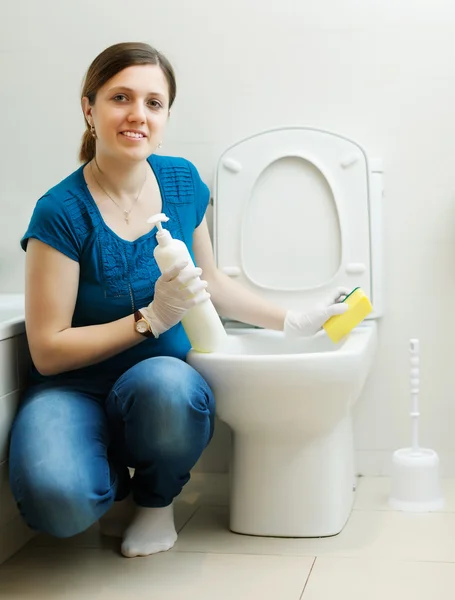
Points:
[(290, 486)]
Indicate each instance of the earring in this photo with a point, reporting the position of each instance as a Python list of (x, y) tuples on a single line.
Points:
[(93, 132), (159, 145)]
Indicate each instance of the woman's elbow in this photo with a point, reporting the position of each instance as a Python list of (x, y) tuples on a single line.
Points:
[(45, 368), (44, 362)]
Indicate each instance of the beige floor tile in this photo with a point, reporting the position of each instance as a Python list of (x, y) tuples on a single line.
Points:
[(94, 574), (207, 488), (92, 538), (373, 494), (359, 579), (370, 534), (13, 536)]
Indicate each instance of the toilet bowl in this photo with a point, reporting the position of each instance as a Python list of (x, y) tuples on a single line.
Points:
[(289, 401)]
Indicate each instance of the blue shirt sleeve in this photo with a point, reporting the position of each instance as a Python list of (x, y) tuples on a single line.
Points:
[(51, 224), (201, 194)]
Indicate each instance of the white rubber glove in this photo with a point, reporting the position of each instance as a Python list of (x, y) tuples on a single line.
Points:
[(176, 291), (309, 323)]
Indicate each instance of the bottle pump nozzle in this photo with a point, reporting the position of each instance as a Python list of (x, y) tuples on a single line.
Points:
[(157, 219), (163, 236)]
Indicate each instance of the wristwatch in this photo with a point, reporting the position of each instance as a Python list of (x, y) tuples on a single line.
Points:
[(141, 325)]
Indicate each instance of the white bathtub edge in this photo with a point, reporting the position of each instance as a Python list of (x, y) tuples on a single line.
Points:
[(15, 325)]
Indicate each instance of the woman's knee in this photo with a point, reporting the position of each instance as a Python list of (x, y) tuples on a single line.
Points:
[(168, 384), (59, 473), (166, 397), (60, 502)]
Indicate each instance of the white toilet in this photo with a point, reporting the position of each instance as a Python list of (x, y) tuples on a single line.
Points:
[(297, 213)]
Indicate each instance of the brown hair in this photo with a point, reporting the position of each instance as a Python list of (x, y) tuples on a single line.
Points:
[(110, 62)]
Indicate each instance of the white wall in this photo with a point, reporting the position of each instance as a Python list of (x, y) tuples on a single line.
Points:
[(381, 73)]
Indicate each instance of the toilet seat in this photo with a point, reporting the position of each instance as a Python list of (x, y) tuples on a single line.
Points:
[(328, 192)]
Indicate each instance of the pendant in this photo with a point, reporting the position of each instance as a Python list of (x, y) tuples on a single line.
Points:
[(127, 217)]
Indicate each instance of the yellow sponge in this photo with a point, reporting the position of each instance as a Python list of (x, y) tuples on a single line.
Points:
[(340, 325)]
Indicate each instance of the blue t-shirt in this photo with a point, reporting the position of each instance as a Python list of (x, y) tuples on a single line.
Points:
[(118, 276)]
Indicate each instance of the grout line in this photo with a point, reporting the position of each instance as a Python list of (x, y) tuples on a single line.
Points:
[(189, 519), (253, 553), (69, 548), (402, 512), (308, 578)]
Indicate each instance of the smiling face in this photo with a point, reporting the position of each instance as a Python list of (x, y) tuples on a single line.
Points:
[(130, 113)]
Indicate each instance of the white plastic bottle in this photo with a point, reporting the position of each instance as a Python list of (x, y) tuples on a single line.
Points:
[(201, 323)]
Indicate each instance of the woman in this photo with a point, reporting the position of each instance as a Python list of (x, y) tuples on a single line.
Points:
[(110, 387)]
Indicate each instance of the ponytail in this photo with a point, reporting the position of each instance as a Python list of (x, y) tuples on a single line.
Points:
[(88, 147)]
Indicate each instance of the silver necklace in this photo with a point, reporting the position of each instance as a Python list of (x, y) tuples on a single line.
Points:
[(126, 213)]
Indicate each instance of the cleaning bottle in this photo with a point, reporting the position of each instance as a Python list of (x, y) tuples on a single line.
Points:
[(201, 323)]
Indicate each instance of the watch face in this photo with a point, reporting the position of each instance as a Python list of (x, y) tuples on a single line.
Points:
[(141, 326)]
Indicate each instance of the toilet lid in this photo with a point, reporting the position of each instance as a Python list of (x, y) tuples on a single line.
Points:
[(291, 215)]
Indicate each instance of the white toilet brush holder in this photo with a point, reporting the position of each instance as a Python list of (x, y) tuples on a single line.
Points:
[(415, 471)]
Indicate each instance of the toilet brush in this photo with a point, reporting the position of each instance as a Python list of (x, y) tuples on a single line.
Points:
[(415, 471)]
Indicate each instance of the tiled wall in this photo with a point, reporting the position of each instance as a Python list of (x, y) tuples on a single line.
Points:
[(14, 361)]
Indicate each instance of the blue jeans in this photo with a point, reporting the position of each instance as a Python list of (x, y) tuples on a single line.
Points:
[(71, 445)]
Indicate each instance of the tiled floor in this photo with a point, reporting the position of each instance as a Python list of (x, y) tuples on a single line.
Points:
[(380, 555)]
